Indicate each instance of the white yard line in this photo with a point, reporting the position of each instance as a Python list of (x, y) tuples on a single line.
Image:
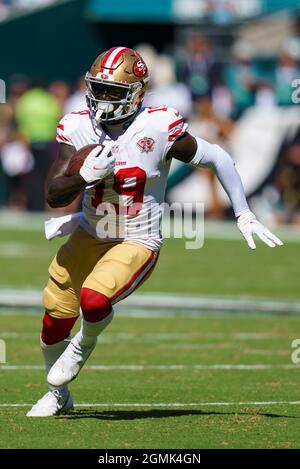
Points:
[(165, 338), (145, 313), (232, 346), (18, 335), (218, 366), (168, 304), (168, 404)]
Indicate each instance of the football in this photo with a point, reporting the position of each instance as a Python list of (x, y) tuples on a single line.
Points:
[(78, 159)]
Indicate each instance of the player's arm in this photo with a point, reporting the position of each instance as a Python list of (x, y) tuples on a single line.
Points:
[(61, 190), (198, 152)]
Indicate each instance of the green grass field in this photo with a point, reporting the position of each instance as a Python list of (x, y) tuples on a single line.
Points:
[(207, 381), (219, 268)]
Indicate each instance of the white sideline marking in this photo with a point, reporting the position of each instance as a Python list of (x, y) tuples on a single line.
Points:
[(21, 249), (167, 404), (172, 304), (220, 366)]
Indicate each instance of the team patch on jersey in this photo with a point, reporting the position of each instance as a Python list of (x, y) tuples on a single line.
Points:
[(146, 144)]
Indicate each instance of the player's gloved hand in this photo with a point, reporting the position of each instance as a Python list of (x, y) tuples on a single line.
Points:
[(249, 225), (98, 164)]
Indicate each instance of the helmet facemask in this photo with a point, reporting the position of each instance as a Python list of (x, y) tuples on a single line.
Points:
[(111, 101)]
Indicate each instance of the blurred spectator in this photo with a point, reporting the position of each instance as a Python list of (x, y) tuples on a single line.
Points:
[(5, 9), (31, 4), (5, 119), (287, 183), (18, 84), (215, 129), (165, 91), (17, 161), (60, 90), (13, 165), (8, 7), (209, 125), (37, 113), (222, 101), (197, 67), (28, 119), (286, 71), (265, 96), (241, 78), (77, 101)]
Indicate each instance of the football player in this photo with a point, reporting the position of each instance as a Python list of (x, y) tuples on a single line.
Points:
[(92, 270)]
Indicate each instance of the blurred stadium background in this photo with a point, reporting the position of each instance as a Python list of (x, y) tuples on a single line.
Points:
[(228, 66), (231, 68)]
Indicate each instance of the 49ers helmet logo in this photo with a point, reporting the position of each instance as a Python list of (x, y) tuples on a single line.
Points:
[(139, 68), (146, 144)]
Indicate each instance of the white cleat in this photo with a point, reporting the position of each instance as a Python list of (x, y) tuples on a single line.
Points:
[(52, 403), (68, 365)]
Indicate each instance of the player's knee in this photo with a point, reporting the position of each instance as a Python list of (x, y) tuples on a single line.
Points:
[(94, 305), (56, 329)]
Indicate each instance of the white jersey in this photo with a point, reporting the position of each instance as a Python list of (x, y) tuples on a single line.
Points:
[(127, 204)]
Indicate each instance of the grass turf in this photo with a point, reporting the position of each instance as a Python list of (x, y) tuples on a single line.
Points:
[(220, 268), (186, 341)]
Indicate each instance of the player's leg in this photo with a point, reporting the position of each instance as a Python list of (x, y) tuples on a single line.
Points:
[(55, 336), (119, 272), (74, 261)]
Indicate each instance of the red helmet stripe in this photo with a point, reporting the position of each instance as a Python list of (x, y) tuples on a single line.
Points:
[(111, 58), (116, 58), (105, 58)]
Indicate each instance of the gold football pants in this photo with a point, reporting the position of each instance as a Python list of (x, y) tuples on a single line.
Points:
[(114, 269)]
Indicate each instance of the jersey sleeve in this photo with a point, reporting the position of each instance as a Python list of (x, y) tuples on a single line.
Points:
[(65, 130), (170, 125)]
